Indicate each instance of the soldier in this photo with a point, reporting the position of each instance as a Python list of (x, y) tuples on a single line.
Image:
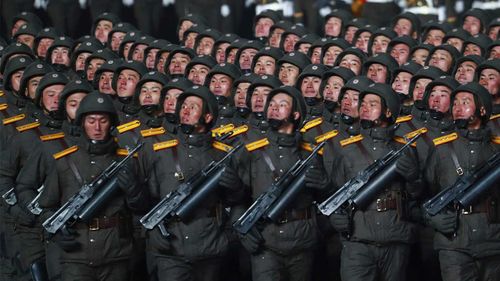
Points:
[(400, 47), (276, 32), (379, 40), (382, 229), (262, 24), (466, 68), (335, 23), (265, 61), (205, 41), (401, 79), (331, 49), (12, 50), (125, 80), (81, 53), (408, 24), (96, 60), (380, 67), (26, 35), (168, 100), (305, 43), (239, 93), (178, 59), (477, 45), (488, 75), (151, 51), (147, 97), (198, 69), (43, 41), (117, 34), (466, 239), (362, 37), (290, 66), (456, 37), (443, 57), (291, 36), (102, 26), (434, 33), (352, 58), (245, 55), (59, 54), (220, 46), (103, 77), (196, 246), (137, 49), (331, 86)]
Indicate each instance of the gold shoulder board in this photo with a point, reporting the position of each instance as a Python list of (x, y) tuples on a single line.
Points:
[(124, 152), (165, 144), (13, 119), (326, 136), (493, 117), (239, 130), (221, 146), (311, 124), (257, 144), (3, 106), (445, 139), (27, 126), (50, 137), (351, 140), (403, 119), (128, 126), (222, 130), (403, 141), (65, 152), (1, 93), (495, 139), (152, 132), (410, 135), (309, 147)]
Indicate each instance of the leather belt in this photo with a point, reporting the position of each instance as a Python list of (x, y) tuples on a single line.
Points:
[(295, 215), (483, 207), (102, 223)]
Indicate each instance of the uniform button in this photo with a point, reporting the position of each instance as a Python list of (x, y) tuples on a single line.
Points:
[(91, 263), (374, 148), (281, 156), (472, 151), (279, 147), (190, 156), (92, 162), (186, 237), (281, 231), (281, 170), (190, 146), (92, 240)]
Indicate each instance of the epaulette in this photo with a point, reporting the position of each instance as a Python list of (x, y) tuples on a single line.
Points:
[(128, 126), (50, 137), (310, 147), (124, 152), (29, 126), (311, 124), (495, 139), (238, 131), (403, 119), (65, 152), (217, 132), (350, 140), (1, 93), (257, 144), (410, 135), (3, 106), (445, 139), (13, 119), (165, 144), (403, 141), (152, 132), (326, 136), (221, 146), (493, 117)]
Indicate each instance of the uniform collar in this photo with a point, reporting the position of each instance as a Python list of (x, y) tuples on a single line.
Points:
[(419, 114), (314, 111), (480, 135), (71, 129), (46, 121), (226, 110), (379, 133), (14, 99), (198, 140), (283, 139), (98, 147)]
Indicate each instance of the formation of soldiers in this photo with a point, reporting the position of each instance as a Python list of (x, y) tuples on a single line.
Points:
[(126, 157)]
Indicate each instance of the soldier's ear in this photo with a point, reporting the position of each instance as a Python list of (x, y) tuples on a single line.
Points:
[(208, 118), (388, 113), (296, 115), (482, 111)]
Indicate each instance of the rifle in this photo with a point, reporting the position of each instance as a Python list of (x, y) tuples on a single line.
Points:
[(354, 186), (34, 206), (268, 201), (466, 188), (10, 197), (181, 202), (69, 213)]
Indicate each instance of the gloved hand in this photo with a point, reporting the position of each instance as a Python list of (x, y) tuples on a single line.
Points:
[(252, 241), (22, 216), (127, 179), (167, 3), (341, 222), (316, 177), (128, 3), (66, 239), (229, 178), (445, 222)]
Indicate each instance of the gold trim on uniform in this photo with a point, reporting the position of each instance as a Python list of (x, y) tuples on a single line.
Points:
[(50, 137), (1, 93), (216, 132), (152, 132), (493, 117), (445, 139), (221, 146), (495, 139), (128, 126), (403, 141), (239, 130), (13, 119), (124, 152), (165, 144), (65, 152), (3, 106), (257, 144), (326, 136), (28, 126), (351, 140), (410, 135), (310, 147), (405, 118), (311, 124)]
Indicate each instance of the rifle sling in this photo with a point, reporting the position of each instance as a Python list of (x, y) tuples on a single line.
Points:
[(178, 174), (320, 132), (426, 138), (365, 153), (267, 159), (454, 157), (71, 163)]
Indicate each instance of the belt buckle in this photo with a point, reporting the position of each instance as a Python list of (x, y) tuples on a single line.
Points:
[(467, 211), (94, 225), (460, 171), (179, 176), (379, 205)]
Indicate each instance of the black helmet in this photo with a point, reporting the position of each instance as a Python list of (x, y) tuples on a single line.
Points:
[(388, 96), (298, 59), (130, 37), (455, 55), (480, 14), (124, 27), (108, 66), (341, 14), (384, 59), (13, 65), (383, 31), (48, 32), (414, 19), (14, 49), (275, 53), (49, 79), (96, 102), (114, 19), (75, 86), (480, 40), (481, 98), (142, 40), (224, 68), (178, 49), (36, 68), (209, 102), (207, 61), (357, 83), (410, 67), (316, 70), (428, 72), (472, 58), (152, 76), (446, 81), (345, 73), (180, 83), (28, 17), (264, 80), (310, 39), (299, 104), (249, 44), (27, 29), (138, 67)]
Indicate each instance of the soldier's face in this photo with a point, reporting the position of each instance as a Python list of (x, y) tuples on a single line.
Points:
[(377, 72), (26, 39), (190, 40), (380, 44), (418, 91), (15, 80), (178, 63), (150, 93), (493, 32), (72, 104), (220, 53), (349, 34), (316, 55), (94, 65), (150, 58), (246, 58), (465, 72), (170, 101), (127, 80), (220, 85), (472, 25), (265, 65), (332, 88), (105, 83), (310, 86), (80, 61), (16, 26), (434, 37), (401, 83), (400, 52), (333, 27), (352, 62), (96, 126), (102, 30), (126, 49), (495, 53), (160, 66), (192, 110), (371, 107), (331, 55), (464, 106), (138, 54), (420, 56), (116, 40), (363, 40), (259, 98), (304, 48), (231, 57), (43, 46), (456, 42), (472, 49), (441, 59), (289, 43), (205, 46), (240, 96), (198, 73), (50, 97), (349, 103), (280, 107), (403, 27), (262, 27), (288, 74), (490, 79), (439, 100), (275, 37), (32, 85), (60, 55), (185, 25)]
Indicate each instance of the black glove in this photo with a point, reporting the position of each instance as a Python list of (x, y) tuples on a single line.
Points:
[(229, 178), (127, 179), (316, 177), (341, 222), (252, 241), (22, 216), (66, 239), (445, 222)]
